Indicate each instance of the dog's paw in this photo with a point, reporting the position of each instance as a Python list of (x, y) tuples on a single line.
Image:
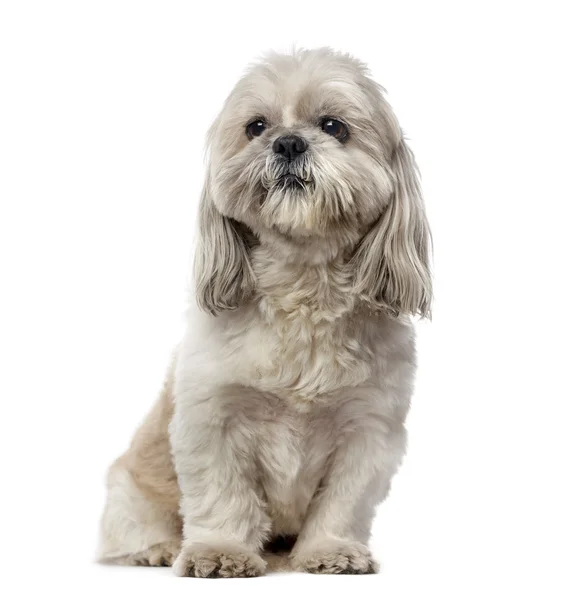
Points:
[(160, 555), (163, 555), (228, 560), (334, 557)]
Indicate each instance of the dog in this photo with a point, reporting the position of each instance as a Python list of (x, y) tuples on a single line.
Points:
[(281, 421)]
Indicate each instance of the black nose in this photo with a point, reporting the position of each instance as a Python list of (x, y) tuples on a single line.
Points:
[(290, 146)]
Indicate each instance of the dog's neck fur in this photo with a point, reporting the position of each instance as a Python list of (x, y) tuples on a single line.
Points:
[(308, 282), (305, 307)]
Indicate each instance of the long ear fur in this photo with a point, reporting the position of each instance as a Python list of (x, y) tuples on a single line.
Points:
[(223, 274), (391, 264)]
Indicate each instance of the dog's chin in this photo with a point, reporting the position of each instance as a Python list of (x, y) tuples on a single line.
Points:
[(290, 209)]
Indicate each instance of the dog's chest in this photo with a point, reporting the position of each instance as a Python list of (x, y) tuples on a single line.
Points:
[(303, 342), (303, 356)]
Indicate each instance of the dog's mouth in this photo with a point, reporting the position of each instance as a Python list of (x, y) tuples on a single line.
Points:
[(290, 180), (289, 177)]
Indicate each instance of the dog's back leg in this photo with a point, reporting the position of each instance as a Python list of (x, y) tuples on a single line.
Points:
[(141, 523)]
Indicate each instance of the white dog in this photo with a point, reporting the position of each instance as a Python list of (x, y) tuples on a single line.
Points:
[(281, 422)]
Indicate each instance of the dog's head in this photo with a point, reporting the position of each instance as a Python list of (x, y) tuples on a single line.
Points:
[(306, 149)]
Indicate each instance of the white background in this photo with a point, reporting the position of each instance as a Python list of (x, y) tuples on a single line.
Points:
[(103, 110)]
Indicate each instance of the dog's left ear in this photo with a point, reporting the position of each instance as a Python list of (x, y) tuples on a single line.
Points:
[(392, 262)]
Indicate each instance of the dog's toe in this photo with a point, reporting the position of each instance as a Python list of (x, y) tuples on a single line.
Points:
[(201, 560), (335, 557), (163, 555)]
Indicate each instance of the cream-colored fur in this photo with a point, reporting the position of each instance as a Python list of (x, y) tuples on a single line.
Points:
[(283, 413), (141, 524)]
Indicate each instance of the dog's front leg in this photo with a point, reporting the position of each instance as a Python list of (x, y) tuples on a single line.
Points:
[(225, 523), (337, 527)]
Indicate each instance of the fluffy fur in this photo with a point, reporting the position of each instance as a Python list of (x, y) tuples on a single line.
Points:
[(282, 417)]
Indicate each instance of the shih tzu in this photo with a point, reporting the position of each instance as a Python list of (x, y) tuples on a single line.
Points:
[(281, 421)]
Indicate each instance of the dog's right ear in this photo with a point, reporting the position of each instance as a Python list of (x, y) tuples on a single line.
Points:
[(223, 274)]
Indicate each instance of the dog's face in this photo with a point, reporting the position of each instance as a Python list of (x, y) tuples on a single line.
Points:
[(307, 151), (303, 147)]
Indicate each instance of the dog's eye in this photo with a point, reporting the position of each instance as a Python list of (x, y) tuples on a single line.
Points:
[(335, 128), (255, 128)]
